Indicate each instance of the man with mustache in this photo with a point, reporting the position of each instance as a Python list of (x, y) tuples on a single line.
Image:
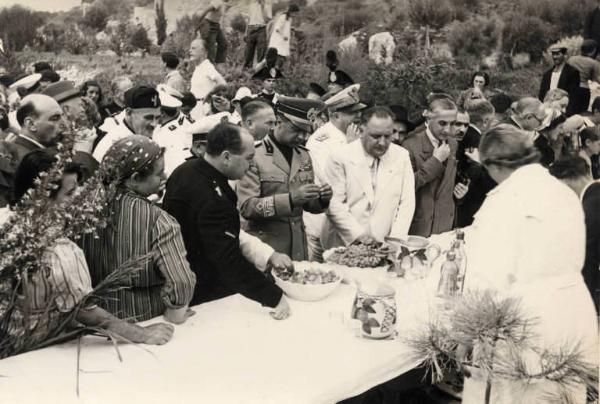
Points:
[(432, 154)]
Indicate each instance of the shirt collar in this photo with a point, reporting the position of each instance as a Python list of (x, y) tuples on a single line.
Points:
[(435, 142), (35, 142)]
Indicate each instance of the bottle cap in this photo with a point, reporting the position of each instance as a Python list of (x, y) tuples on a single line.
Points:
[(451, 255)]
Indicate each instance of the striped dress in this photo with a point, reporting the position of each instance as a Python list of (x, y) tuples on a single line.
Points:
[(138, 228)]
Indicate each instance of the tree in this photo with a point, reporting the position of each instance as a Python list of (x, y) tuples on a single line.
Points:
[(430, 13), (160, 21), (18, 26), (96, 18), (139, 38), (474, 38)]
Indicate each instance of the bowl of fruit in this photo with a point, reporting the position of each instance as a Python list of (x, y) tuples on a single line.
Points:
[(308, 281), (361, 259)]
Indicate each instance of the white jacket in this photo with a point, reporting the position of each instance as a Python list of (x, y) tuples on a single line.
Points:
[(355, 209), (115, 130)]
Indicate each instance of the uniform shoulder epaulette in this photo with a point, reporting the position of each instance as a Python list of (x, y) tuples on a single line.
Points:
[(172, 127), (322, 137)]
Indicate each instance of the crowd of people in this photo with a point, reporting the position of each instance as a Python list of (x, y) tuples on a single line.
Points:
[(220, 185)]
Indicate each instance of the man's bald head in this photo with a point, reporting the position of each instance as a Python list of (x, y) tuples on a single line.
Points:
[(41, 118), (529, 113), (197, 50)]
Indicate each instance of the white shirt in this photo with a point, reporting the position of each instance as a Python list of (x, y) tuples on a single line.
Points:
[(380, 44), (554, 80), (115, 130), (255, 12), (434, 141), (176, 137), (205, 78)]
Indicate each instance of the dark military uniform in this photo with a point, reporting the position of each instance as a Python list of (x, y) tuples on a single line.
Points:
[(265, 202)]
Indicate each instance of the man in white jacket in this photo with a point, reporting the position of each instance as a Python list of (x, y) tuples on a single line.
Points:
[(373, 185)]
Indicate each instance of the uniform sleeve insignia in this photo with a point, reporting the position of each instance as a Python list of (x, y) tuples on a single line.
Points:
[(266, 207)]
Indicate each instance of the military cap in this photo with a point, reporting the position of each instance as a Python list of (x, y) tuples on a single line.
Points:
[(340, 77), (301, 112), (142, 97), (27, 82), (241, 93), (557, 48), (401, 115), (346, 100), (189, 100), (6, 80), (317, 89), (62, 91), (38, 67), (268, 73), (168, 96), (49, 75)]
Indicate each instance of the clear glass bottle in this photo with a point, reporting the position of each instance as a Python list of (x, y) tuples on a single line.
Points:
[(461, 258), (449, 285)]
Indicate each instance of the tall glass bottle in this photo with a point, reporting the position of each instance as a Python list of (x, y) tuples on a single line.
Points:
[(461, 258), (449, 285)]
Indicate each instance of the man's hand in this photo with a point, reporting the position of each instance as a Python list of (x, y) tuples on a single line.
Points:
[(442, 152), (158, 334), (280, 261), (282, 311), (178, 316), (353, 132), (364, 239), (460, 190), (304, 194), (326, 193)]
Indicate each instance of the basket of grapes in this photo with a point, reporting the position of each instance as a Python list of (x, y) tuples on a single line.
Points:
[(308, 281), (359, 258)]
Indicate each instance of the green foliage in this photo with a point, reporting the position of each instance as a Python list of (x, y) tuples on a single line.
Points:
[(95, 17), (432, 13), (18, 26), (475, 37), (161, 22), (527, 34)]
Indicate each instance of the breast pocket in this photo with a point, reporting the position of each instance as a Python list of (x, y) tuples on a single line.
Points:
[(271, 183)]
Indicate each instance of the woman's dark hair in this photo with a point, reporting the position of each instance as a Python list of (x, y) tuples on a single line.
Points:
[(30, 168), (569, 167), (485, 76), (507, 146), (223, 89), (591, 133), (170, 59), (92, 83)]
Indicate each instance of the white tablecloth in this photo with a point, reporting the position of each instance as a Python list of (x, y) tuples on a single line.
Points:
[(231, 351)]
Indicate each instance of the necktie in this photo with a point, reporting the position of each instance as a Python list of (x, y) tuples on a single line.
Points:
[(374, 168)]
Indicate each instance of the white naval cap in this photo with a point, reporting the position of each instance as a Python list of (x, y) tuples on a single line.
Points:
[(27, 81), (241, 93), (169, 97)]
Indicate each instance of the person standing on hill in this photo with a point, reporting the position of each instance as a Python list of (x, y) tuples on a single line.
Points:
[(281, 33), (563, 76), (173, 77), (260, 13), (205, 77), (211, 32)]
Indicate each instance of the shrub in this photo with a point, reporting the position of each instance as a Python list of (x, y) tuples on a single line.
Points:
[(238, 23), (527, 34), (161, 22), (139, 38), (474, 38), (95, 17), (432, 13), (18, 26)]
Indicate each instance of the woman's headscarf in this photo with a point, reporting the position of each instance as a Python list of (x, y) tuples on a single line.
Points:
[(133, 154)]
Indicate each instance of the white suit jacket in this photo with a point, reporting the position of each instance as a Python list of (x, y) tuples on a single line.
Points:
[(355, 209)]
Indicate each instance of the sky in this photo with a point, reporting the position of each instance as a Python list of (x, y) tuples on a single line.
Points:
[(43, 5)]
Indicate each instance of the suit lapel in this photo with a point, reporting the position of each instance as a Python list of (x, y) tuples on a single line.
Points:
[(449, 173), (362, 171)]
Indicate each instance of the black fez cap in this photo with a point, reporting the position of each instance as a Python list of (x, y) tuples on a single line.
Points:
[(317, 89), (6, 80), (38, 67), (189, 100), (142, 97), (340, 77), (266, 73), (49, 75)]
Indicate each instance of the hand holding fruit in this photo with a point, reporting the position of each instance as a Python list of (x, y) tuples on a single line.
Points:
[(279, 261)]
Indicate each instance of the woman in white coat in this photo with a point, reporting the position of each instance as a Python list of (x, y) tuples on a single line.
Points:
[(528, 241), (281, 33)]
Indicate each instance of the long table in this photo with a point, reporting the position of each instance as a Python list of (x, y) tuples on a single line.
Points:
[(230, 351)]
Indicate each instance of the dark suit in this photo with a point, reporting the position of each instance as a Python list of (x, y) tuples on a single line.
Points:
[(480, 181), (434, 185), (204, 204), (11, 154), (568, 81), (591, 268)]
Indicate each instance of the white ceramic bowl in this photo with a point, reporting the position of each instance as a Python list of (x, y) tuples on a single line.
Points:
[(309, 292)]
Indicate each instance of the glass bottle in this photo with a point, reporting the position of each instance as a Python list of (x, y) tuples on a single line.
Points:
[(461, 258), (448, 285)]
